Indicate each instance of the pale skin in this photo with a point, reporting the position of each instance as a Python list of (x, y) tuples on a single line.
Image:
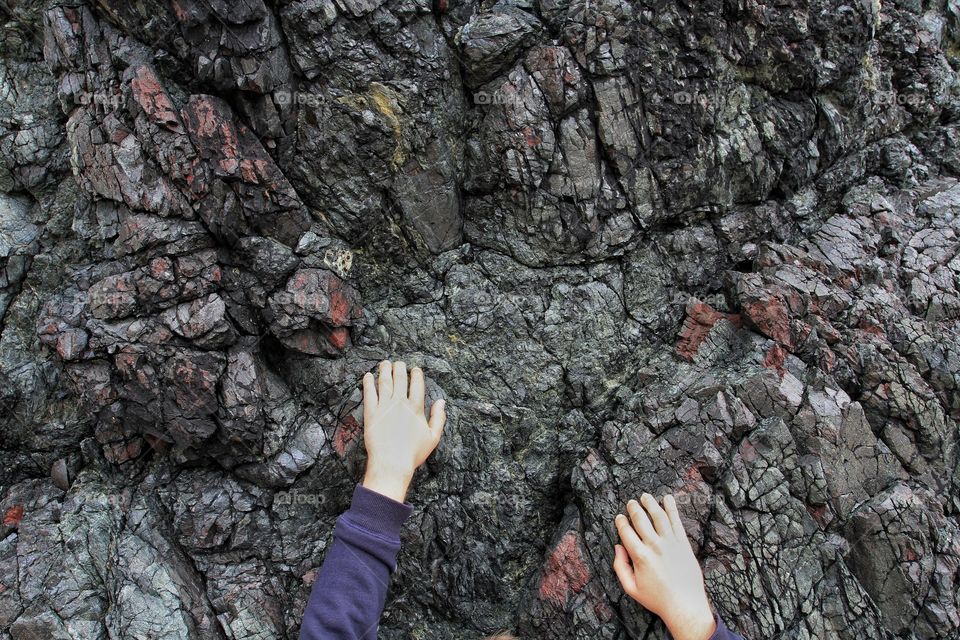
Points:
[(656, 567), (397, 433)]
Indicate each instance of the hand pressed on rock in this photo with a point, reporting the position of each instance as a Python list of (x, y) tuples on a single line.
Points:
[(396, 433), (656, 567)]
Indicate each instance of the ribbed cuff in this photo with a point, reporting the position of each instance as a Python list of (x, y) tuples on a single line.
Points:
[(377, 513), (721, 633)]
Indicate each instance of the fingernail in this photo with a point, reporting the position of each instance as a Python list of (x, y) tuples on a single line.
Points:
[(632, 503), (442, 404)]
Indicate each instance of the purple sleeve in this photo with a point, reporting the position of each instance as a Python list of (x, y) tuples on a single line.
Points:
[(351, 587), (722, 632)]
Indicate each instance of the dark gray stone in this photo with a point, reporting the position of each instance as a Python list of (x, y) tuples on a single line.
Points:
[(708, 250)]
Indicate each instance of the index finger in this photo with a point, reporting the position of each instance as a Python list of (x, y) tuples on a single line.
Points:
[(369, 396), (631, 541)]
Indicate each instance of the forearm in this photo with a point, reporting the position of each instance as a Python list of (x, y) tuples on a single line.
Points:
[(388, 482), (351, 587)]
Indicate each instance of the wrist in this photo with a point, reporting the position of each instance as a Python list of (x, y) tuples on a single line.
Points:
[(696, 623), (390, 483)]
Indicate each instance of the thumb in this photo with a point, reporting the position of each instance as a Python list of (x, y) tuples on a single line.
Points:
[(438, 419), (621, 567)]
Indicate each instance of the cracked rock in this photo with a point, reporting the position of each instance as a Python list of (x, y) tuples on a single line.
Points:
[(709, 250)]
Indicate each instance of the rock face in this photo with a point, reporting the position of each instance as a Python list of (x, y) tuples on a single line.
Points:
[(709, 249)]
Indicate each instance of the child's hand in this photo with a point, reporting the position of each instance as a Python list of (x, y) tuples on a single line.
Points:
[(395, 430), (657, 568)]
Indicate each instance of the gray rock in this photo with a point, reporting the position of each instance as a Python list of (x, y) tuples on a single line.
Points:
[(712, 252)]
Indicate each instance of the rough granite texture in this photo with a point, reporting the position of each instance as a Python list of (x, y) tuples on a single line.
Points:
[(710, 248)]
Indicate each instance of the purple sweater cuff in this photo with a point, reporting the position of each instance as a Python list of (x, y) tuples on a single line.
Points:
[(377, 513), (722, 632)]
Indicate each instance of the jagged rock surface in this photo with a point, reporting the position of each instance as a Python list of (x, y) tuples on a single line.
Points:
[(710, 249)]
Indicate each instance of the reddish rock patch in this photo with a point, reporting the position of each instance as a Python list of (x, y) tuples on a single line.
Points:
[(13, 516), (819, 513), (532, 139), (339, 338), (202, 118), (341, 307), (693, 486), (195, 385), (565, 573), (826, 359), (771, 319), (162, 268), (149, 94), (254, 170), (71, 343), (346, 434), (700, 319), (693, 474), (603, 611), (774, 359), (119, 453), (869, 327), (179, 10)]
